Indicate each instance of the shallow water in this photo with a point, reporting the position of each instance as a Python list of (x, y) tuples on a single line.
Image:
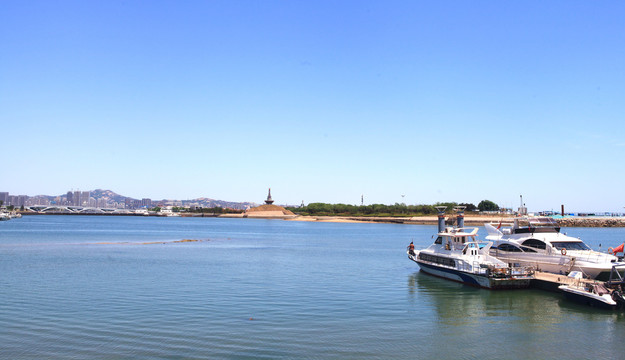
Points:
[(121, 287)]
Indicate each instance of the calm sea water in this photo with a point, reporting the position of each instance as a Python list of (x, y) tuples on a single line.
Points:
[(122, 287)]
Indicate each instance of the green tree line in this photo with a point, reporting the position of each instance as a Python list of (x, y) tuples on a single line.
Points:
[(323, 209), (215, 210)]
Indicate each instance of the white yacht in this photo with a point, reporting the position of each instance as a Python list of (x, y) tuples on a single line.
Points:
[(537, 242), (456, 255)]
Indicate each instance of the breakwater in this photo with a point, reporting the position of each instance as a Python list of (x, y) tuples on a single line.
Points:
[(592, 222), (469, 220)]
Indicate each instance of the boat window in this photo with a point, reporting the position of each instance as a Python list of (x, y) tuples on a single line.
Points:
[(577, 245), (508, 248), (439, 240), (535, 243), (526, 249), (437, 259)]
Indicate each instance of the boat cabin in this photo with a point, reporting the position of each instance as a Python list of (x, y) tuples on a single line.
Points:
[(455, 238), (534, 225), (535, 245)]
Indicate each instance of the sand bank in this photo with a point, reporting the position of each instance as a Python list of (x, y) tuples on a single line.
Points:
[(468, 220)]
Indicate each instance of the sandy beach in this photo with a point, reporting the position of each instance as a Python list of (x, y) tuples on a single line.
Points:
[(470, 220)]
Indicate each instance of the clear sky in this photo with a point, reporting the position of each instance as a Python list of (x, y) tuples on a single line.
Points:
[(323, 101)]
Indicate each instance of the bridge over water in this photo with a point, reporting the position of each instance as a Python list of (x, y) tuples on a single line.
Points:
[(57, 209)]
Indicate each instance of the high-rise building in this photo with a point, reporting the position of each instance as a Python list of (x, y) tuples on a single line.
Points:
[(13, 200), (38, 200), (84, 198), (21, 200), (4, 197)]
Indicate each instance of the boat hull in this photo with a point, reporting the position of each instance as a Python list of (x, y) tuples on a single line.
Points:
[(473, 279), (589, 299)]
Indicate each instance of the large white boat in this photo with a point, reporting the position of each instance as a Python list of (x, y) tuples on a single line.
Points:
[(456, 255), (538, 242)]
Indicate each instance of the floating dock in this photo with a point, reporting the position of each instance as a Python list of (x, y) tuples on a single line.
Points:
[(550, 282)]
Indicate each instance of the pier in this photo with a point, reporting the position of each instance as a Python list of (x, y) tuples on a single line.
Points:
[(550, 282)]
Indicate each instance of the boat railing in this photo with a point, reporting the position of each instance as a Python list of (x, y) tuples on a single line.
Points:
[(491, 270), (507, 271), (588, 255), (473, 268)]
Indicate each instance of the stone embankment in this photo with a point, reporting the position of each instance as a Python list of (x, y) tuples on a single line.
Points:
[(592, 222), (469, 220)]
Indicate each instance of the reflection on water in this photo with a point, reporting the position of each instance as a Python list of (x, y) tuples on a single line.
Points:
[(312, 291), (528, 321), (450, 300)]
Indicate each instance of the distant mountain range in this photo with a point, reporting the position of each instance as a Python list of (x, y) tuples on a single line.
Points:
[(107, 195), (202, 202), (111, 197)]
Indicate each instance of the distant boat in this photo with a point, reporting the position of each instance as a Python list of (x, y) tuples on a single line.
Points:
[(4, 217), (169, 212), (143, 212)]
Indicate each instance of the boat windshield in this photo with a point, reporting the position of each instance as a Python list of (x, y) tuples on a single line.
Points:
[(540, 225), (578, 245), (543, 222)]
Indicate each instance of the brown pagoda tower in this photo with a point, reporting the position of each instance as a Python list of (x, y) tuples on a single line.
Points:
[(269, 200), (269, 210)]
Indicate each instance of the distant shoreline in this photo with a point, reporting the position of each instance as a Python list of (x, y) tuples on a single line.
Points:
[(470, 220)]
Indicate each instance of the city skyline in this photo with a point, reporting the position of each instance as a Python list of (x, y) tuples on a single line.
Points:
[(102, 198), (401, 101), (112, 199)]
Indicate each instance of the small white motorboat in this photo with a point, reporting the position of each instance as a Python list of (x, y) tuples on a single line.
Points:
[(592, 294), (606, 295)]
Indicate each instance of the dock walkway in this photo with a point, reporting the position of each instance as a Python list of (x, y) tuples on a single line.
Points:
[(550, 281)]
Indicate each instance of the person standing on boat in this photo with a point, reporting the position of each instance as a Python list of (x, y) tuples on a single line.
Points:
[(411, 249)]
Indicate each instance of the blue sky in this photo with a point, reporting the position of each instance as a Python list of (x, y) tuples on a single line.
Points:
[(322, 101)]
